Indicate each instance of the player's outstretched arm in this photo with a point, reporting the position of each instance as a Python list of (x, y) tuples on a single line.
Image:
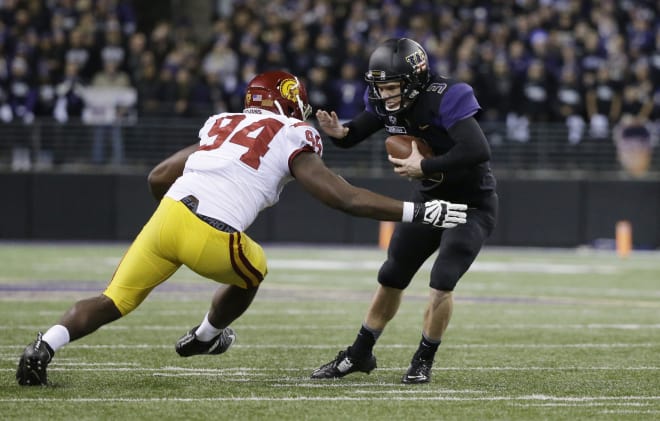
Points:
[(329, 123), (165, 173), (331, 189), (334, 191)]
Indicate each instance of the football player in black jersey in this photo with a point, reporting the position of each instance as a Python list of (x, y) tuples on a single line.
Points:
[(403, 97)]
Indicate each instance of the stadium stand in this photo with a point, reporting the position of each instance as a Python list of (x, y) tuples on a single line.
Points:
[(561, 82)]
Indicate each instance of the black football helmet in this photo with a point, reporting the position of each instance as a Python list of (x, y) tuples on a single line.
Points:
[(279, 92), (402, 60)]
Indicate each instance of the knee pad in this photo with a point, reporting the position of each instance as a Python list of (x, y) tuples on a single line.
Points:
[(393, 276), (443, 283)]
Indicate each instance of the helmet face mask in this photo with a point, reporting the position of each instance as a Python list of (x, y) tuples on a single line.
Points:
[(389, 94), (278, 92), (397, 60)]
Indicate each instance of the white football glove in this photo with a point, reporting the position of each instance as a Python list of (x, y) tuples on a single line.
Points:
[(441, 214)]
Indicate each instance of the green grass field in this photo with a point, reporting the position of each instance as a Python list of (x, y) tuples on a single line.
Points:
[(536, 334)]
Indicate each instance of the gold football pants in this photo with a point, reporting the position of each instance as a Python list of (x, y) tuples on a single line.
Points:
[(175, 236)]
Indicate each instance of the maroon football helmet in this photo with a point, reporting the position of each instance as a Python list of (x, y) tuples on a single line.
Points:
[(279, 92)]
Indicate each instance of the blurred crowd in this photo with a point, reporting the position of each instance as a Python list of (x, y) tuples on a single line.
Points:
[(585, 63)]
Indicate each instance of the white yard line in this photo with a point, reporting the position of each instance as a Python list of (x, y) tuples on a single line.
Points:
[(382, 346), (294, 326), (479, 266), (346, 398), (191, 372)]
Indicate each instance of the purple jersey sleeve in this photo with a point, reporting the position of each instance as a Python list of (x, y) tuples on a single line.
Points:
[(367, 105), (458, 103)]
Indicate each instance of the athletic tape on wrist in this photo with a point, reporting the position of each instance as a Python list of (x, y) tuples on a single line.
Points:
[(408, 212)]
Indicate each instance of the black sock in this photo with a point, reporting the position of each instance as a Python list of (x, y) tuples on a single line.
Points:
[(364, 342), (427, 348)]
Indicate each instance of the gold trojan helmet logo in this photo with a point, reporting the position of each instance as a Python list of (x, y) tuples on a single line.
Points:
[(289, 89)]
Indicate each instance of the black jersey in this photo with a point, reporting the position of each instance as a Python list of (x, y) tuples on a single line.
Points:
[(436, 110)]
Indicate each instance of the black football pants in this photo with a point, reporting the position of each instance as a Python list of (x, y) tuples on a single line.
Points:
[(412, 244)]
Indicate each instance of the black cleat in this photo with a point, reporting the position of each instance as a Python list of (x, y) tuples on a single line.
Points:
[(32, 365), (189, 345), (418, 372), (342, 365)]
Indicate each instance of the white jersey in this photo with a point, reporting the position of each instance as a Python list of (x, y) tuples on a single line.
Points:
[(243, 164)]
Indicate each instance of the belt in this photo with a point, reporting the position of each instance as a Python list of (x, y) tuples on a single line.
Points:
[(191, 203)]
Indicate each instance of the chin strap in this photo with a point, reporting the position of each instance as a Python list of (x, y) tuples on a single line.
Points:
[(305, 111)]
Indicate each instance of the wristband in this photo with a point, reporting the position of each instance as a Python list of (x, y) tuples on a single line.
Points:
[(408, 212)]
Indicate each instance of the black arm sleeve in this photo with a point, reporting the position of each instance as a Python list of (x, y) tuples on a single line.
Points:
[(362, 126), (471, 148)]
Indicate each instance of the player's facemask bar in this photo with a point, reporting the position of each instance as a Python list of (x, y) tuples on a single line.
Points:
[(305, 109)]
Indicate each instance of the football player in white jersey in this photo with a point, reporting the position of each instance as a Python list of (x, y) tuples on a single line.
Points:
[(209, 195)]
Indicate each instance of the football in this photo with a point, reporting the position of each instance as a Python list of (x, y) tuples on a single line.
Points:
[(399, 146)]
